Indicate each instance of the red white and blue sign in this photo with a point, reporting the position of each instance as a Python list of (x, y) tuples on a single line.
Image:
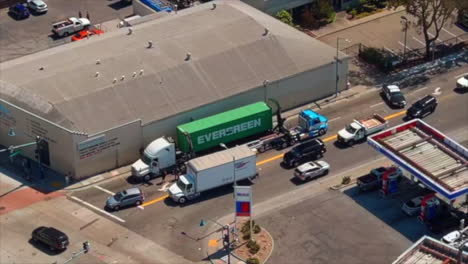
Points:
[(243, 196)]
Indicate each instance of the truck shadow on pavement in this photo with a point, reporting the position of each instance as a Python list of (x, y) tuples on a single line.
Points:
[(388, 209)]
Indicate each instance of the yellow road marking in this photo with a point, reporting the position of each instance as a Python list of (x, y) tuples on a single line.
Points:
[(395, 115), (330, 138), (270, 159), (155, 200)]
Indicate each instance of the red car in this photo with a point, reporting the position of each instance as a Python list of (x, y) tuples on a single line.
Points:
[(86, 33)]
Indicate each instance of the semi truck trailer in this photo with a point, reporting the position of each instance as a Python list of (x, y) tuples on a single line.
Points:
[(212, 171), (162, 156)]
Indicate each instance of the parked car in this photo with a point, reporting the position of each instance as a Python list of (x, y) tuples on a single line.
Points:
[(37, 6), (56, 240), (444, 222), (394, 96), (413, 206), (373, 180), (422, 107), (132, 196), (19, 11), (312, 149), (462, 83), (312, 170), (86, 33), (452, 238)]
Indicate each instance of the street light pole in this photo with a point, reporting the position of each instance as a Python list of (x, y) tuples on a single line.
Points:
[(406, 30), (235, 184), (338, 61)]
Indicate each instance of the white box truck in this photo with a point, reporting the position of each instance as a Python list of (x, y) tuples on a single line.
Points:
[(212, 171), (70, 26), (360, 129)]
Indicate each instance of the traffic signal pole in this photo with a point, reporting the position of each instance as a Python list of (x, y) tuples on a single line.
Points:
[(86, 248)]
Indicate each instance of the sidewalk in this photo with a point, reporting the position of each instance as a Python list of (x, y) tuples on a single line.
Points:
[(342, 23), (330, 183)]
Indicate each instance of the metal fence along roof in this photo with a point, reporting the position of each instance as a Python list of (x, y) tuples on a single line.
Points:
[(436, 160)]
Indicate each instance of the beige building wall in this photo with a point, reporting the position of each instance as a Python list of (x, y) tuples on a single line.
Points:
[(27, 126), (107, 150), (291, 92)]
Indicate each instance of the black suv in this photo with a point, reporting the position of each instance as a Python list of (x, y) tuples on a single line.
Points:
[(304, 152), (53, 238), (394, 96), (422, 107)]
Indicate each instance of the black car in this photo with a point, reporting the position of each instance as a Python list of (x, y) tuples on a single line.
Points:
[(447, 221), (56, 240), (19, 11), (394, 96), (422, 107), (312, 149)]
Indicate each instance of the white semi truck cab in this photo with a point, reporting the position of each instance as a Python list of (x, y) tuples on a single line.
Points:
[(158, 156)]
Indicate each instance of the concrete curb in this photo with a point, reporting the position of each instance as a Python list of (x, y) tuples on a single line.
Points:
[(272, 246), (360, 23)]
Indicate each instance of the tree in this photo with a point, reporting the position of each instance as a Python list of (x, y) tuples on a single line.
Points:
[(430, 15), (285, 16)]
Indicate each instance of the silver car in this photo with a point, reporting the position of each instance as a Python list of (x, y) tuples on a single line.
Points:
[(37, 6), (132, 196), (311, 170)]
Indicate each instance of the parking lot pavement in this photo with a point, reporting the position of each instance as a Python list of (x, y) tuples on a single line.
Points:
[(94, 197), (331, 228), (22, 37), (386, 32)]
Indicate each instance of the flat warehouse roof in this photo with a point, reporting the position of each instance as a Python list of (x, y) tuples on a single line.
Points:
[(438, 161), (199, 55)]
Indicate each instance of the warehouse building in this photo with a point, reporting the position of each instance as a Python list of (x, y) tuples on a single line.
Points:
[(97, 102)]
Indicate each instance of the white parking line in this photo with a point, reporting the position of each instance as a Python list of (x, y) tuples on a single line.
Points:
[(334, 119), (97, 209), (377, 104), (104, 190), (432, 35), (458, 76), (419, 90), (422, 43), (453, 35), (399, 42)]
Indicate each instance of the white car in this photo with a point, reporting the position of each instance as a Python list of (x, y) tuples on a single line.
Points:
[(413, 206), (37, 6), (311, 170), (462, 83), (451, 238)]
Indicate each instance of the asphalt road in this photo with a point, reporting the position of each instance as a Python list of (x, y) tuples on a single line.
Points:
[(177, 228), (22, 37)]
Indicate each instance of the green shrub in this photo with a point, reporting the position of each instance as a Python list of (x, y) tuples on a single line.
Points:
[(346, 180), (332, 18), (363, 14), (246, 236), (257, 229), (246, 227), (252, 261), (251, 243), (353, 13), (285, 16), (254, 248)]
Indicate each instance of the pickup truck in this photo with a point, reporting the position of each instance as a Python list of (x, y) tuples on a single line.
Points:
[(70, 26), (373, 180), (360, 129)]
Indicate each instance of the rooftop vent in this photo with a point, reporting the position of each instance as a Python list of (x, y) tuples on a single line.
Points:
[(134, 74), (41, 68), (130, 30), (266, 32), (98, 61), (97, 74), (115, 80), (141, 71), (122, 77), (188, 56), (150, 44), (214, 6)]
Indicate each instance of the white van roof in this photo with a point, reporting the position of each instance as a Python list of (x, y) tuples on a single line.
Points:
[(221, 157)]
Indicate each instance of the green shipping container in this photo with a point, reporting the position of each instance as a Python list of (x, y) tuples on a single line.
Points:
[(225, 127)]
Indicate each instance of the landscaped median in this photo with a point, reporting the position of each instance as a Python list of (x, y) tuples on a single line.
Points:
[(256, 249)]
